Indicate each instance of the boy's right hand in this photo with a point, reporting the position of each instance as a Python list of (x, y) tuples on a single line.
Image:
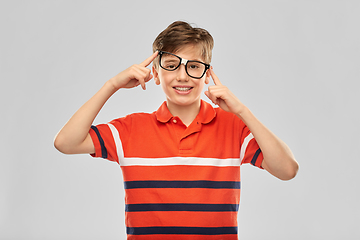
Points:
[(135, 75), (74, 137)]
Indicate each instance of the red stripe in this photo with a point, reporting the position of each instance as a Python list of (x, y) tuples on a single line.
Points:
[(141, 173), (182, 237), (186, 219), (181, 195)]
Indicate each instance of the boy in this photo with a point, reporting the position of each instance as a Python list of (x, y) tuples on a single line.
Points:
[(181, 163)]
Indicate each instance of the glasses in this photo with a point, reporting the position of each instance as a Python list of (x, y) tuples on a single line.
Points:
[(193, 68)]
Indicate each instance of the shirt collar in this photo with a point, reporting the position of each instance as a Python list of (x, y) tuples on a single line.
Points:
[(206, 115)]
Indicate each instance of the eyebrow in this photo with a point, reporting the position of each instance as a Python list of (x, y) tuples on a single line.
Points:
[(197, 59), (170, 60)]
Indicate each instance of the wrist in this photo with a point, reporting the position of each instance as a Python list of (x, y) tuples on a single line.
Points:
[(111, 86), (243, 113)]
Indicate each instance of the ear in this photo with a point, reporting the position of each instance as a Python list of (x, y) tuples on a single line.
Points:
[(207, 77), (156, 75)]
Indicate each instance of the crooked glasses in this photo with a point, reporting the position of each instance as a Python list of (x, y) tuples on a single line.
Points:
[(171, 62)]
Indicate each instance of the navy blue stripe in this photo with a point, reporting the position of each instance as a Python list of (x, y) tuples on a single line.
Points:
[(101, 141), (182, 184), (253, 160), (197, 207), (181, 230)]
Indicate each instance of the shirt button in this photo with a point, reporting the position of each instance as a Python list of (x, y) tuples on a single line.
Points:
[(174, 121)]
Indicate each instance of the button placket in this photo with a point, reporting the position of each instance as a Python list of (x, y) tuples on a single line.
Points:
[(178, 128)]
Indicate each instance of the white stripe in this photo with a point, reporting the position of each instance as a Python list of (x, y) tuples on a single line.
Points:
[(244, 146), (118, 144), (180, 161)]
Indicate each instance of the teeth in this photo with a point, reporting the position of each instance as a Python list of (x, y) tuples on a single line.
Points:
[(183, 88)]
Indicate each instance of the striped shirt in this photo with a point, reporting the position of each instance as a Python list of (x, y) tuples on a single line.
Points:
[(180, 182)]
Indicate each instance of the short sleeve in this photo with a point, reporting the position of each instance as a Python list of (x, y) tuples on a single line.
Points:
[(108, 141), (250, 151)]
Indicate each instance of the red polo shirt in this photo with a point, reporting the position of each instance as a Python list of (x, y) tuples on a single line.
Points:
[(180, 182)]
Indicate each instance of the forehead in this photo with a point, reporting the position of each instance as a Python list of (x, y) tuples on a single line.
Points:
[(190, 52)]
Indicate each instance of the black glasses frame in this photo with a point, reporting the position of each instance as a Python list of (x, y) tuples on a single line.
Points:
[(183, 61)]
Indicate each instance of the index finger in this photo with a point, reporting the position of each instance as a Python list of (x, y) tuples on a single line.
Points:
[(149, 59), (214, 77)]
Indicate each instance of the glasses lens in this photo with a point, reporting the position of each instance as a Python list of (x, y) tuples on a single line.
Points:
[(195, 69), (169, 61)]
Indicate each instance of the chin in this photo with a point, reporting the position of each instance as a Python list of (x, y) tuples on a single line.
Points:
[(185, 102)]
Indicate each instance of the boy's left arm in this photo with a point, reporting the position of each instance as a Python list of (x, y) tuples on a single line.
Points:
[(278, 158)]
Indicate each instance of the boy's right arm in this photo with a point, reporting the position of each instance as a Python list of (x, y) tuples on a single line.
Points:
[(74, 137)]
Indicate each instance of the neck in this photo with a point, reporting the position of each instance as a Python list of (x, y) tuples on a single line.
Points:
[(187, 113)]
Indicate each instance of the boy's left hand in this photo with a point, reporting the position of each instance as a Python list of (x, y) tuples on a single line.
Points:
[(223, 97)]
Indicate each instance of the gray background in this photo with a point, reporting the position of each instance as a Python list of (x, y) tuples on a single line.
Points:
[(295, 64)]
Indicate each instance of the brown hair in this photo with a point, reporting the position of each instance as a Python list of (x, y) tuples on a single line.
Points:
[(178, 34)]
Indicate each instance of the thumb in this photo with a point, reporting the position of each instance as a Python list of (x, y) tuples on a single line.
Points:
[(209, 96), (149, 78)]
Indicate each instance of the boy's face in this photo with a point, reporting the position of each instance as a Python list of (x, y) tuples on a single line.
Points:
[(179, 87)]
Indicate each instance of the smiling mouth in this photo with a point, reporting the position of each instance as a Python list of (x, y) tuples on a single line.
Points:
[(184, 89)]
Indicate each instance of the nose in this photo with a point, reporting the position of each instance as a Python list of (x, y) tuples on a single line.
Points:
[(181, 73)]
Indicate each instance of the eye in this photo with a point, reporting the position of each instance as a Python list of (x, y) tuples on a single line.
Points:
[(194, 66), (170, 66)]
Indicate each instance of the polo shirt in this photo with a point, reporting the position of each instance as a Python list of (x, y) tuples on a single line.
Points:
[(180, 182)]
